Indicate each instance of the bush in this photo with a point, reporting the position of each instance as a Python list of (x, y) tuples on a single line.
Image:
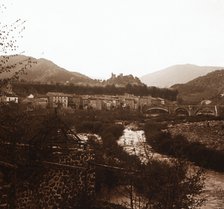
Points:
[(168, 185)]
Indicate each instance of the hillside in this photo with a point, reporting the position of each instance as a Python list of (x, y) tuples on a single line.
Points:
[(177, 74), (210, 86), (44, 71)]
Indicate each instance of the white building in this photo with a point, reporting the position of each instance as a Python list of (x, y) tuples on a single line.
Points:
[(9, 98)]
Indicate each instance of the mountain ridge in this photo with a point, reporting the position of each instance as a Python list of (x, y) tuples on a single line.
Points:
[(176, 74)]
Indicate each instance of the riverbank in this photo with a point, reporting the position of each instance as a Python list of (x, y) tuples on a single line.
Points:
[(208, 133), (134, 142)]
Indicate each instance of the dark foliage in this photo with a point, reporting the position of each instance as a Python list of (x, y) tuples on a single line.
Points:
[(167, 185), (90, 126), (106, 205)]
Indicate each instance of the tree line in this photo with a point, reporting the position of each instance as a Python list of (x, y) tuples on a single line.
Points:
[(24, 89)]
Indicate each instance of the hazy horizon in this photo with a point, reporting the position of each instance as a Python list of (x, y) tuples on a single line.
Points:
[(99, 37)]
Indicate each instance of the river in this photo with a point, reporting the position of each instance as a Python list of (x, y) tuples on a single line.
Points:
[(134, 142)]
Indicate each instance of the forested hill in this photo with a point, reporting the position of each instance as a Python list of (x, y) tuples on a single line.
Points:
[(41, 70), (24, 89), (210, 86)]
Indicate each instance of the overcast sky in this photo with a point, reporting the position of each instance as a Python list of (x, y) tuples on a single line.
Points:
[(97, 37)]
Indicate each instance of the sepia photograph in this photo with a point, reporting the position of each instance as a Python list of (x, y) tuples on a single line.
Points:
[(112, 104)]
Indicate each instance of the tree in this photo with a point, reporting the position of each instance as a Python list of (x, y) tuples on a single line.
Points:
[(170, 184), (10, 66)]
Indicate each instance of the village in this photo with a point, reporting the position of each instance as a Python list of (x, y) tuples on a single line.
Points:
[(84, 102)]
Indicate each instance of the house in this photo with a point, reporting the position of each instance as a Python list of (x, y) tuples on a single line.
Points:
[(41, 102), (129, 103), (28, 100), (7, 95), (7, 98), (158, 101), (31, 102), (85, 102), (75, 101), (95, 103), (57, 99), (144, 102), (107, 104), (31, 96)]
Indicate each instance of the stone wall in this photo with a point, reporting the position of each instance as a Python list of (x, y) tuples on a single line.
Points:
[(61, 180), (4, 194)]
